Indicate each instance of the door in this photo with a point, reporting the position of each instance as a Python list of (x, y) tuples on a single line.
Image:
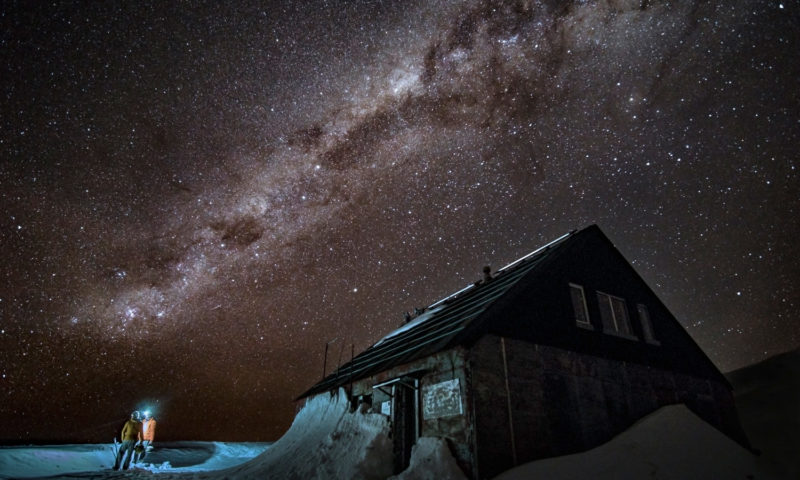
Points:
[(404, 422)]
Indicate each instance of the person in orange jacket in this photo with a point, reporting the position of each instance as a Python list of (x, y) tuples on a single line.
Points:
[(131, 434), (148, 435)]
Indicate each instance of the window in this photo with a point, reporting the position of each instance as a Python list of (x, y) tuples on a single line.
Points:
[(614, 314), (579, 306), (647, 325)]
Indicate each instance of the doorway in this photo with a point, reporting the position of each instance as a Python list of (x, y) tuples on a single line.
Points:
[(403, 410), (405, 421)]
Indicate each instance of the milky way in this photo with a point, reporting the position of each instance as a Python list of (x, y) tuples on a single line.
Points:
[(197, 199)]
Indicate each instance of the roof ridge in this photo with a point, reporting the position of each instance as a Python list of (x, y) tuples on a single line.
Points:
[(540, 249), (503, 270)]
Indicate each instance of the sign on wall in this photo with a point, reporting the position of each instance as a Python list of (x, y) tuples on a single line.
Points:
[(386, 408), (442, 399)]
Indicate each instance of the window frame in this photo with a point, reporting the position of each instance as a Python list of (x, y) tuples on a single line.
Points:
[(588, 323), (617, 332), (647, 324)]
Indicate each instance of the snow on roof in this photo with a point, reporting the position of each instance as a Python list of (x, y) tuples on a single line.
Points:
[(427, 315)]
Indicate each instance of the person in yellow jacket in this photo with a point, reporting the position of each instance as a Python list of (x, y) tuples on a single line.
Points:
[(131, 434), (148, 435)]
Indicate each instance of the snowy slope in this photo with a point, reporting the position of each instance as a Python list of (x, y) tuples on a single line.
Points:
[(768, 400), (670, 444), (325, 441)]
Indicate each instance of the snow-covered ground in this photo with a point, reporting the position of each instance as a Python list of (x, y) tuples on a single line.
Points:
[(55, 460), (327, 441)]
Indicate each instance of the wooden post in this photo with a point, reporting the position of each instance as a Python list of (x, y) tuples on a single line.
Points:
[(352, 354), (339, 361), (325, 361), (508, 401)]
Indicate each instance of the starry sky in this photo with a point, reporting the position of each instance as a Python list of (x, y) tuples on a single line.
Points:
[(198, 196)]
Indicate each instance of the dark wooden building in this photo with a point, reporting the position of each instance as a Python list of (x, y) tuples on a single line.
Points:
[(553, 354)]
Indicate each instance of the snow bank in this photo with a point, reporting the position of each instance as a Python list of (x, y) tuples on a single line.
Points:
[(431, 460), (325, 441), (670, 444)]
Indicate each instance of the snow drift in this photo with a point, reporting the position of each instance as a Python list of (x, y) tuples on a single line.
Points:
[(325, 440), (431, 460), (670, 444)]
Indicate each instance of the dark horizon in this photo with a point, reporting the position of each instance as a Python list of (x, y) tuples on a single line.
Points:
[(197, 198), (82, 440)]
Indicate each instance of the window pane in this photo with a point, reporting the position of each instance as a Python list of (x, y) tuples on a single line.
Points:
[(606, 315), (579, 304), (647, 326), (621, 315)]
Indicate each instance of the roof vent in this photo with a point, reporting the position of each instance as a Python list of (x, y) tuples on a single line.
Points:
[(487, 274)]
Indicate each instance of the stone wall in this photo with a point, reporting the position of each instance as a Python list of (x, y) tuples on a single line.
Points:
[(443, 371), (534, 401)]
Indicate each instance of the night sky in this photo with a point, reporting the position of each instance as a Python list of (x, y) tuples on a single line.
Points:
[(197, 196)]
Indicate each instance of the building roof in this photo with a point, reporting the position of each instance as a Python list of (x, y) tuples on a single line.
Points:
[(443, 324)]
